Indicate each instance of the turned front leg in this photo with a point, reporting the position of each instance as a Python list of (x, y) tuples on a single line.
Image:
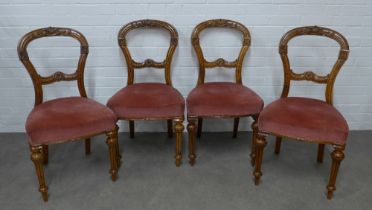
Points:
[(112, 143), (254, 136), (337, 156), (37, 157), (191, 132), (260, 145), (179, 129)]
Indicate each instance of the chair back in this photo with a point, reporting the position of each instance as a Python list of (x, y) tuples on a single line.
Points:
[(328, 79), (220, 62), (132, 64), (37, 79)]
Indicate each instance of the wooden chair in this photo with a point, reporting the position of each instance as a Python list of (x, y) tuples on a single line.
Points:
[(150, 101), (220, 99), (65, 119), (306, 119)]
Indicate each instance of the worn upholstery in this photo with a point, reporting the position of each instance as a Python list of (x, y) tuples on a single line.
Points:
[(67, 119), (304, 119), (147, 101), (223, 99)]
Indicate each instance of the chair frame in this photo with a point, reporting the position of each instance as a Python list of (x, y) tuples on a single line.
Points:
[(220, 62), (338, 153), (39, 153), (132, 65)]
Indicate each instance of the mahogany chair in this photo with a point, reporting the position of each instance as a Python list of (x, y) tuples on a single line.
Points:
[(220, 99), (68, 118), (150, 101), (306, 119)]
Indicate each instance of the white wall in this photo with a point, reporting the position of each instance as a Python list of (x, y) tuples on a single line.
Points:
[(267, 20)]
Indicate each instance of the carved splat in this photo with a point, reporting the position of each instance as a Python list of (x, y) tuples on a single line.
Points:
[(309, 76), (220, 62), (148, 63), (58, 76)]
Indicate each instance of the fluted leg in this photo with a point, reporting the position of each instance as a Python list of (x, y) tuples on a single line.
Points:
[(191, 131), (45, 154), (179, 130), (253, 147), (200, 127), (278, 144), (87, 146), (260, 145), (112, 143), (236, 126), (320, 153), (337, 156), (37, 157), (131, 129), (170, 128)]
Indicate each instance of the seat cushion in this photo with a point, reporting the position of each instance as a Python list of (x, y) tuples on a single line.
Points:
[(147, 101), (219, 99), (304, 119), (68, 119)]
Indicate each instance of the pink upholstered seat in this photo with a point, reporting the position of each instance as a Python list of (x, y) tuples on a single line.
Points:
[(304, 118), (147, 101), (66, 119), (223, 99)]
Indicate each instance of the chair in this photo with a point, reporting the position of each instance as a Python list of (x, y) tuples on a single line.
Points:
[(150, 101), (306, 119), (65, 119), (220, 99)]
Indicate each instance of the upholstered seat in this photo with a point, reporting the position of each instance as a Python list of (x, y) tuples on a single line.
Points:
[(223, 99), (68, 118), (304, 118), (147, 100)]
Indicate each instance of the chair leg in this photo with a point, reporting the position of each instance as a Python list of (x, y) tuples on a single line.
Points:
[(112, 143), (200, 127), (191, 131), (337, 156), (118, 154), (45, 154), (131, 129), (37, 157), (170, 128), (320, 153), (236, 126), (87, 146), (278, 144), (179, 130), (253, 147), (260, 145)]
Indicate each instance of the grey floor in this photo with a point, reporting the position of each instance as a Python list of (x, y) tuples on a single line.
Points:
[(221, 179)]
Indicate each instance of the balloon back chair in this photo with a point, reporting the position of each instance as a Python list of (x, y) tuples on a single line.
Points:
[(306, 119), (150, 101), (220, 99), (68, 118)]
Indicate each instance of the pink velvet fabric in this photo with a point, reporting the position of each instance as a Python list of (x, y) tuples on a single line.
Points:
[(304, 119), (147, 101), (228, 99), (68, 119)]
